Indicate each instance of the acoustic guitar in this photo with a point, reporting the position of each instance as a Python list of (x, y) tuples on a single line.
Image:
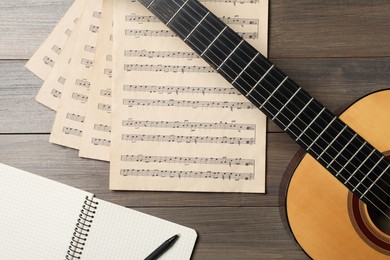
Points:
[(338, 200)]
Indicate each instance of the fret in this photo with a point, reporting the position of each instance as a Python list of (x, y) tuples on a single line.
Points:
[(258, 82), (273, 92), (320, 134), (368, 173), (300, 112), (351, 158), (358, 168), (208, 47), (196, 26), (150, 4), (374, 182), (308, 126), (333, 140), (231, 53), (174, 15), (239, 75), (285, 104)]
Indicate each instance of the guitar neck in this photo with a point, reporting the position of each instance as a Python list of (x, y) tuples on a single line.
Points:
[(353, 161)]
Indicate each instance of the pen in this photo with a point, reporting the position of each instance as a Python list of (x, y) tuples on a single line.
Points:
[(162, 248)]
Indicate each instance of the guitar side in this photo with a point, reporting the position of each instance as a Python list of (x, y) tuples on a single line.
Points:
[(322, 214)]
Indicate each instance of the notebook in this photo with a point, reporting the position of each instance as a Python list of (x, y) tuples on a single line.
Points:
[(44, 219)]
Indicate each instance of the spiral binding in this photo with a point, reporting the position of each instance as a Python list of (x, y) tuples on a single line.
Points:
[(82, 228)]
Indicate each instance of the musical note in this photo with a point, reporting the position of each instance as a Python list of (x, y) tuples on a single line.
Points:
[(108, 72), (71, 131), (48, 61), (181, 90), (94, 28), (109, 57), (105, 92), (188, 139), (168, 33), (80, 97), (99, 141), (168, 68), (56, 93), (56, 49), (162, 54), (104, 107), (97, 14), (83, 83), (187, 160), (68, 32), (227, 20), (189, 125), (188, 103), (102, 128), (61, 80), (75, 117), (188, 174), (89, 48), (87, 63)]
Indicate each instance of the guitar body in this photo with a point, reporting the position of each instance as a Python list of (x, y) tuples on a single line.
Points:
[(326, 219)]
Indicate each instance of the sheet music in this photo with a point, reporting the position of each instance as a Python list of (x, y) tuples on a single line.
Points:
[(95, 143), (176, 123), (51, 90), (68, 124), (43, 60)]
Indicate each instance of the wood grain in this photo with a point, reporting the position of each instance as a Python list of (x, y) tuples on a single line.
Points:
[(337, 50)]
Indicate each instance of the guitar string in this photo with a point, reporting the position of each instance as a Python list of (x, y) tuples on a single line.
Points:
[(282, 123)]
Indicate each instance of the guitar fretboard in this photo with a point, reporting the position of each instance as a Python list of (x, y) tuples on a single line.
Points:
[(353, 161)]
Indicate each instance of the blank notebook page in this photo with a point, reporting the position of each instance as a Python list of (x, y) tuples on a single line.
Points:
[(37, 215), (129, 234)]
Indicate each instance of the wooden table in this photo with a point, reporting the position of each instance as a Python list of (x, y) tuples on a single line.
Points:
[(337, 50)]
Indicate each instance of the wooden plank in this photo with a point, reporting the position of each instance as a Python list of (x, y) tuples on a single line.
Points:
[(332, 81), (301, 28), (235, 233), (316, 28), (35, 154)]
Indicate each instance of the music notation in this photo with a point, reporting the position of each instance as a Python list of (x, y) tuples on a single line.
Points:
[(97, 15), (68, 32), (102, 128), (87, 63), (187, 174), (181, 90), (189, 125), (108, 72), (94, 28), (109, 57), (56, 93), (48, 61), (99, 141), (104, 107), (71, 131), (105, 92), (56, 49), (89, 48), (168, 33), (61, 80), (188, 139), (75, 117), (162, 54), (154, 19), (188, 103), (187, 160), (79, 97), (83, 83), (168, 68)]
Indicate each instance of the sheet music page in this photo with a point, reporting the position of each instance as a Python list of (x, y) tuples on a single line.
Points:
[(95, 143), (45, 57), (51, 90), (68, 123), (176, 123)]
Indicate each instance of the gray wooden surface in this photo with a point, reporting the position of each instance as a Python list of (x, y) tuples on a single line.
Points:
[(337, 50)]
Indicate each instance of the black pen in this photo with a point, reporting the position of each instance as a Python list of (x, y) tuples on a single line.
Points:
[(162, 248)]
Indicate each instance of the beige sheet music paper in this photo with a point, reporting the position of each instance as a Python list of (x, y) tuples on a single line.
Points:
[(95, 143), (45, 57), (176, 125), (68, 124), (50, 92)]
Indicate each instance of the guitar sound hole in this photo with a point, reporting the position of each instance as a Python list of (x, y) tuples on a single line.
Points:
[(379, 219)]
